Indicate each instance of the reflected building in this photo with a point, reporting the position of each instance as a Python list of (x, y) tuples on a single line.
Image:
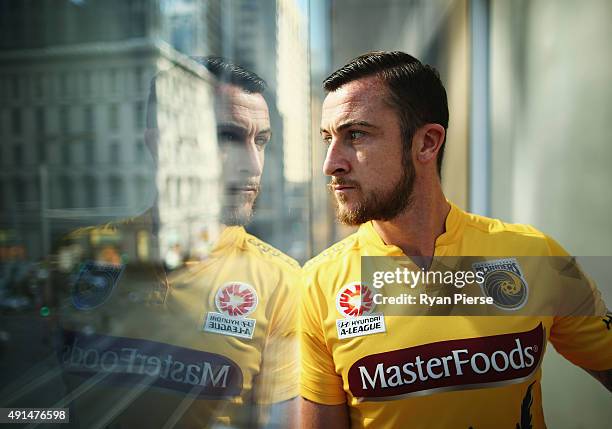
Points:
[(74, 78)]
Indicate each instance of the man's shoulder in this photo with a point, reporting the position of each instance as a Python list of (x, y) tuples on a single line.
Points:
[(269, 253), (497, 226), (516, 237), (335, 253)]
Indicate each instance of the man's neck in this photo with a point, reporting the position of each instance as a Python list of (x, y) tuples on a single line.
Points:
[(416, 229)]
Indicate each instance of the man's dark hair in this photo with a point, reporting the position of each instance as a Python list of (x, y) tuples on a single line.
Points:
[(415, 89), (223, 70), (234, 74)]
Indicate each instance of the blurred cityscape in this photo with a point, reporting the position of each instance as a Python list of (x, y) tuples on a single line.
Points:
[(74, 85)]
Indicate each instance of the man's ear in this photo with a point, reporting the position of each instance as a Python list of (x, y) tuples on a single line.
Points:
[(427, 142)]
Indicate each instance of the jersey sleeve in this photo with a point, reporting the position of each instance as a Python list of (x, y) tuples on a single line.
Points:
[(278, 378), (584, 340), (319, 381)]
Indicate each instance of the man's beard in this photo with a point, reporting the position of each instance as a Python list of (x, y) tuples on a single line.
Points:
[(377, 204), (237, 209)]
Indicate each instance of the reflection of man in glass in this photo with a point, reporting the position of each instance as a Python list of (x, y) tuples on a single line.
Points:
[(212, 343), (243, 130)]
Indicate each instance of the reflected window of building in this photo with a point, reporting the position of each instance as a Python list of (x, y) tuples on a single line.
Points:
[(66, 154), (15, 87), (139, 113), (91, 191), (115, 153), (112, 74), (66, 192), (140, 152), (39, 118), (89, 148), (89, 119), (19, 190), (139, 79), (18, 155), (113, 117), (41, 150), (16, 124), (63, 84), (116, 191), (38, 86), (64, 120), (141, 187), (87, 82)]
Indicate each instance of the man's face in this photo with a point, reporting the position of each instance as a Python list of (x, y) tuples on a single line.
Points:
[(372, 171), (243, 130)]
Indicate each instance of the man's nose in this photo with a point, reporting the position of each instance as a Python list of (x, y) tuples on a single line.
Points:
[(336, 162), (251, 160)]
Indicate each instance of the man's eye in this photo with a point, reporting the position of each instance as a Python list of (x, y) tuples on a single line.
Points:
[(327, 140), (261, 142), (354, 135)]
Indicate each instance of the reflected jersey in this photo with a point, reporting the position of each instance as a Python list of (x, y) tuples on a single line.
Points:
[(434, 371), (210, 344)]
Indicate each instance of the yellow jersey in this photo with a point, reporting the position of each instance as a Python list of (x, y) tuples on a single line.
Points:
[(210, 345), (435, 371)]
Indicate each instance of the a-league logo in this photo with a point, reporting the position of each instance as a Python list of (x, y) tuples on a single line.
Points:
[(355, 299), (236, 299)]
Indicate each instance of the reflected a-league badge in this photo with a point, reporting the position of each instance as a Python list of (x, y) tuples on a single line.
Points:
[(235, 301), (95, 284), (504, 282)]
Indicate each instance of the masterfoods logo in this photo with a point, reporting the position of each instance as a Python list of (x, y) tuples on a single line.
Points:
[(121, 360), (471, 363)]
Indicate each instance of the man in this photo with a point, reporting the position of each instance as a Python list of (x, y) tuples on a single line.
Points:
[(209, 345), (384, 122)]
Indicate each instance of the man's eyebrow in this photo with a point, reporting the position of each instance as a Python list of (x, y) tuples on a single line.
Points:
[(351, 124), (231, 126), (237, 128)]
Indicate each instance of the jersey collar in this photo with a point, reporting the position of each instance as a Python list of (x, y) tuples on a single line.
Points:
[(455, 221), (231, 236)]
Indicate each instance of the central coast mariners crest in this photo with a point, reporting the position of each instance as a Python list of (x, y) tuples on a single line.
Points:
[(504, 282), (235, 301), (355, 303)]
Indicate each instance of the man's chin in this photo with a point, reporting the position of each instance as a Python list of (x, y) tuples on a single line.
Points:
[(237, 216), (350, 215)]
